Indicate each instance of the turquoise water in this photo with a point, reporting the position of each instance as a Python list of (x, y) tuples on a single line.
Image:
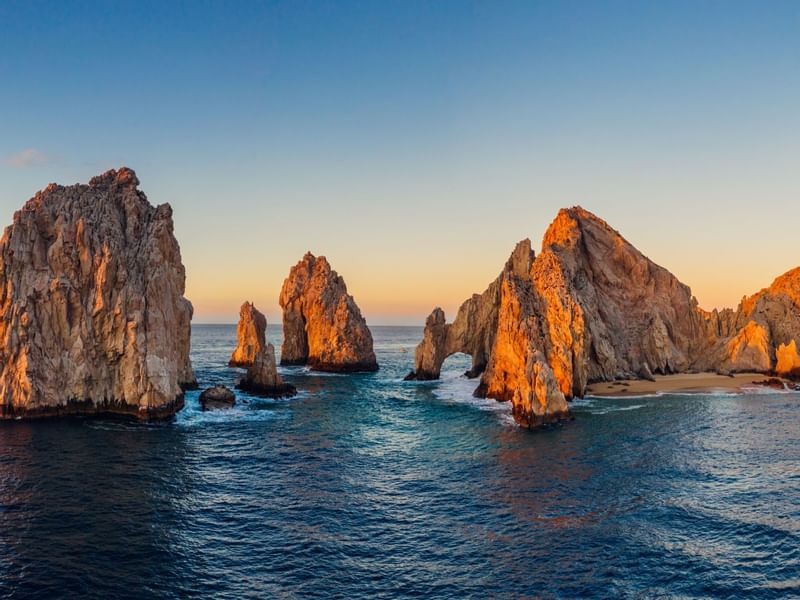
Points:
[(366, 486)]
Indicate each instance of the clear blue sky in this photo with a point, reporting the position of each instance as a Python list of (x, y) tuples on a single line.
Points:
[(414, 143)]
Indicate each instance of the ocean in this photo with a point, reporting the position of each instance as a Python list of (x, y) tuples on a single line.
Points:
[(366, 486)]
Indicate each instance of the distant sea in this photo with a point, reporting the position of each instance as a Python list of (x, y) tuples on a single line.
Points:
[(365, 486)]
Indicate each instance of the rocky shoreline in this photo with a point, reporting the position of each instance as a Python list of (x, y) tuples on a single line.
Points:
[(92, 285), (591, 308)]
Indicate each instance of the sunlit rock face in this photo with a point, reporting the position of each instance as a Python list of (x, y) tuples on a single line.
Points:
[(93, 318), (591, 307), (763, 333), (472, 333), (250, 336), (322, 325), (254, 353)]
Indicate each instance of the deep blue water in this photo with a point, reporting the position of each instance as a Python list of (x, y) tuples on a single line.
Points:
[(366, 486)]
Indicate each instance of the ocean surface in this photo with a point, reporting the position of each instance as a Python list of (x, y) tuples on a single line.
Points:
[(365, 486)]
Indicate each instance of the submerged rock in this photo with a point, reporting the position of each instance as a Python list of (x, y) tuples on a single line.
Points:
[(262, 377), (217, 397), (250, 334), (93, 318), (591, 307), (322, 325)]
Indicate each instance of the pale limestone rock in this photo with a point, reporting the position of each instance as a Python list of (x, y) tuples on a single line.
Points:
[(322, 325), (250, 335), (92, 313)]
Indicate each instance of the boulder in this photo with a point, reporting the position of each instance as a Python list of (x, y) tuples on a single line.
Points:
[(322, 325), (92, 313), (217, 397)]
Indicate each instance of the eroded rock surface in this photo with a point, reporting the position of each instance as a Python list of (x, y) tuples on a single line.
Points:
[(322, 325), (591, 307), (250, 336), (262, 377), (254, 353), (92, 314)]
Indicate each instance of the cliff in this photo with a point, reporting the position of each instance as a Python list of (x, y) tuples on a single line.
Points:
[(591, 307), (92, 313), (322, 325)]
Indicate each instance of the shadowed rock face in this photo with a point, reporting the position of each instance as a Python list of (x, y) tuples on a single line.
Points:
[(590, 307), (92, 314), (322, 325), (250, 335), (262, 377), (217, 397)]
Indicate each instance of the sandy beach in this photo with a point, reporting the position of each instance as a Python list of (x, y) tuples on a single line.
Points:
[(686, 382)]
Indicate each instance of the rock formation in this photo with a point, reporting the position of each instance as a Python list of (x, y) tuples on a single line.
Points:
[(322, 325), (217, 397), (591, 307), (93, 318), (250, 334), (762, 334), (262, 377), (254, 353)]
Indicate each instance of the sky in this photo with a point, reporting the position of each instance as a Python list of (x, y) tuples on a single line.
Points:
[(414, 143)]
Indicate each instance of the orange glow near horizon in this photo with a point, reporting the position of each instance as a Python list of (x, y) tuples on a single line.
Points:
[(406, 296)]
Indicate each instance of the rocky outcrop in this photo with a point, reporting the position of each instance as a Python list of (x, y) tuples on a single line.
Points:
[(322, 325), (217, 397), (92, 314), (591, 307), (254, 353), (472, 332), (762, 333), (787, 360), (262, 377), (250, 335)]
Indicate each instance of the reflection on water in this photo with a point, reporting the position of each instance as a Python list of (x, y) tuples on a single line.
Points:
[(367, 486)]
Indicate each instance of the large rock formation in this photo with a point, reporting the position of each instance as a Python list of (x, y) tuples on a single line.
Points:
[(322, 325), (591, 307), (254, 353), (93, 318), (250, 335)]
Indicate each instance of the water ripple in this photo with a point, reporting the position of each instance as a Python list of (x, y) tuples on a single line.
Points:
[(365, 486)]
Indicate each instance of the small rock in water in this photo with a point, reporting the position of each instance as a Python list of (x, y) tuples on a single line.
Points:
[(772, 382), (217, 397)]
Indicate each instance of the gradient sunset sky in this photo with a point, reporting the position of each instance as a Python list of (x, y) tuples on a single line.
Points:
[(414, 143)]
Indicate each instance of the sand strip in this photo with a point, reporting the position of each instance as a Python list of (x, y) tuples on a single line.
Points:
[(686, 382)]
